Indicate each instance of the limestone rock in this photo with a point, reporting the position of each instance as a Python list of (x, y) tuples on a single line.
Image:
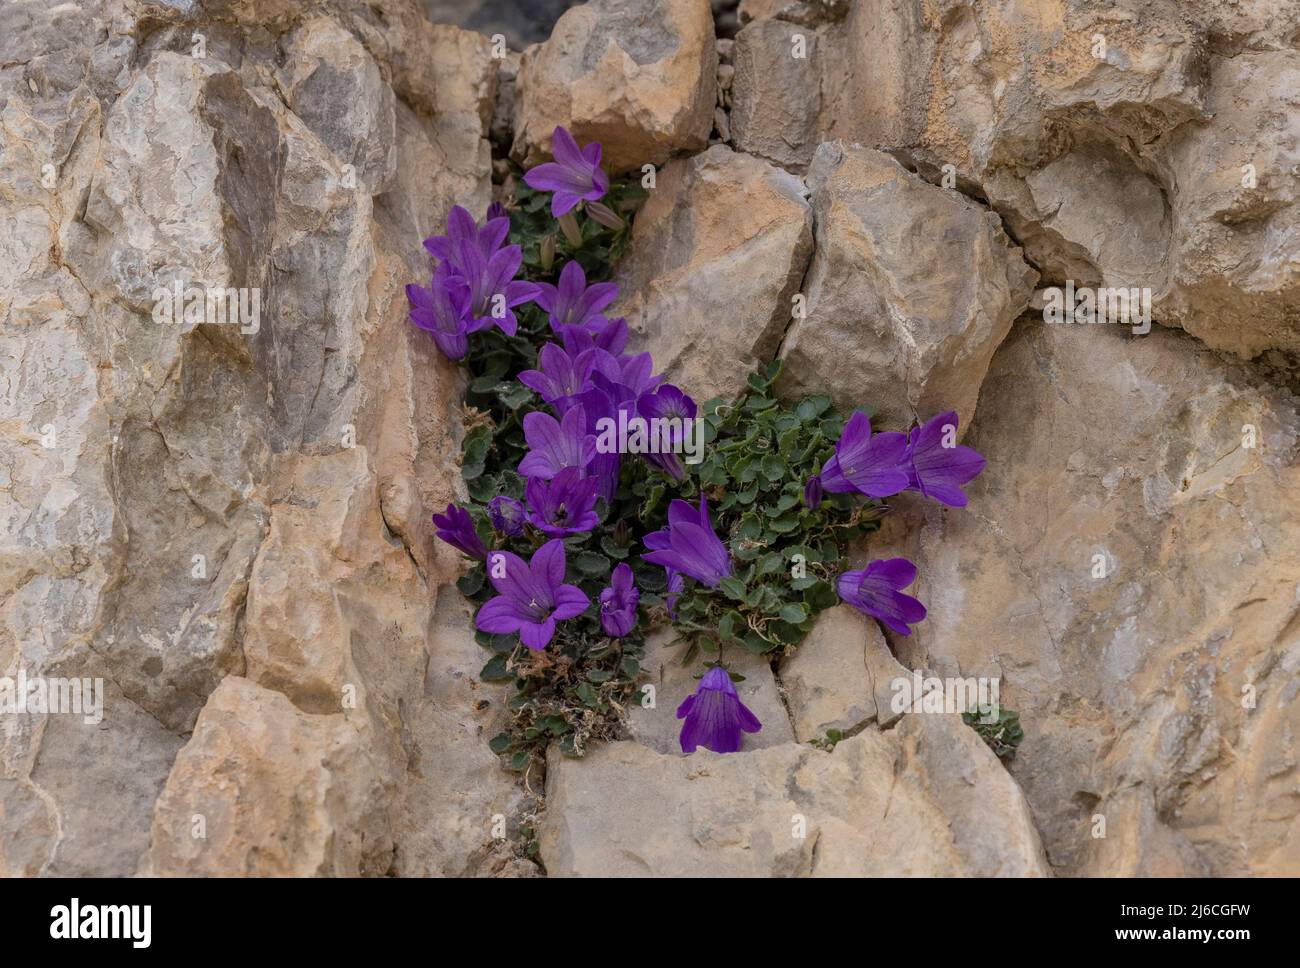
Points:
[(1128, 566), (639, 78), (777, 95), (911, 290), (659, 727), (1234, 268), (264, 789), (839, 677), (718, 252), (925, 799), (186, 491)]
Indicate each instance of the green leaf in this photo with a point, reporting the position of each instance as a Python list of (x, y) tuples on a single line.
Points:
[(499, 743), (794, 613), (773, 467), (733, 588), (614, 550), (495, 670), (471, 583), (593, 565)]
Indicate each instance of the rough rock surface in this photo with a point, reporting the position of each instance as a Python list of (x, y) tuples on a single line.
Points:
[(927, 798), (227, 522), (1058, 114), (911, 290), (718, 252), (639, 78), (1128, 566), (840, 676)]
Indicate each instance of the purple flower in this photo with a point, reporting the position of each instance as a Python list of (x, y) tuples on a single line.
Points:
[(573, 302), (604, 399), (507, 515), (668, 403), (443, 313), (456, 528), (875, 591), (812, 492), (494, 292), (563, 374), (556, 444), (618, 602), (636, 372), (497, 210), (574, 176), (564, 505), (531, 597), (461, 227), (715, 715), (871, 465), (676, 583), (689, 545), (612, 337), (937, 465)]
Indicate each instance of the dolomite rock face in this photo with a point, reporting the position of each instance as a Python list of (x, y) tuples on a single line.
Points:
[(718, 252), (265, 789), (1128, 566), (911, 290), (639, 78), (1129, 144), (925, 799), (227, 519)]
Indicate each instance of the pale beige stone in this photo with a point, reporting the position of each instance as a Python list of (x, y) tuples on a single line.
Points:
[(841, 676), (718, 252), (640, 79), (910, 291), (925, 799)]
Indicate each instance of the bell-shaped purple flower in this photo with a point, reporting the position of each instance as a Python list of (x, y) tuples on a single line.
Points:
[(494, 291), (618, 602), (715, 716), (561, 376), (461, 227), (692, 548), (867, 464), (456, 527), (937, 465), (874, 591), (573, 302), (556, 444), (507, 515), (443, 312), (531, 596), (812, 492), (564, 505), (604, 399), (668, 403), (676, 585), (612, 337), (574, 176)]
